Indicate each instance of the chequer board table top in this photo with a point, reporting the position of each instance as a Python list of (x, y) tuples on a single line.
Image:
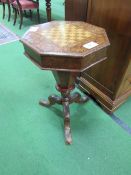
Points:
[(67, 38)]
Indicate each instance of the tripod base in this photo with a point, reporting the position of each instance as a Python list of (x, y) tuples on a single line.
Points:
[(65, 99)]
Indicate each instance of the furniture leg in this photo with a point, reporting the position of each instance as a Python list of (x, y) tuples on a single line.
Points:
[(15, 15), (9, 12), (30, 14), (13, 9), (21, 18), (38, 15), (48, 9), (25, 13), (3, 10), (67, 129)]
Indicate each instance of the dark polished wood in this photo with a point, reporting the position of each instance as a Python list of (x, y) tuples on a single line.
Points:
[(60, 47), (110, 81), (64, 45), (76, 10), (48, 9)]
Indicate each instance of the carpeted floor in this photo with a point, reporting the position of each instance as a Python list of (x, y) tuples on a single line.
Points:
[(31, 137), (124, 112)]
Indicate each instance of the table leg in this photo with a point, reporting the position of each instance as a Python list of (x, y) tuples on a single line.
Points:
[(48, 9), (65, 99), (67, 129)]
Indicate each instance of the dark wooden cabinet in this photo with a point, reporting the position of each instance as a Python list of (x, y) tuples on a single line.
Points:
[(110, 81), (76, 10)]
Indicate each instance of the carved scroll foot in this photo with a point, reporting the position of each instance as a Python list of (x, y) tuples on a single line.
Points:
[(53, 99), (77, 98)]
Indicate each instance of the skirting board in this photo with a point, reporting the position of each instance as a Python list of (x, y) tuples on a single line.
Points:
[(105, 102)]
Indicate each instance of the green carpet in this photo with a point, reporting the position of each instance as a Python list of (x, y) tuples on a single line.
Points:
[(31, 136), (124, 112)]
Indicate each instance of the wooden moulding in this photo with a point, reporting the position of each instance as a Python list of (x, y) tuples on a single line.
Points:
[(65, 64), (105, 101)]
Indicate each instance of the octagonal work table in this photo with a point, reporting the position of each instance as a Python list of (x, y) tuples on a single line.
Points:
[(66, 48)]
